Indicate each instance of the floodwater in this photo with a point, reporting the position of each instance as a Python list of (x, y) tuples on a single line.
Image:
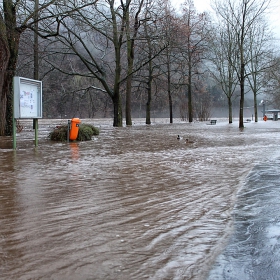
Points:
[(136, 203)]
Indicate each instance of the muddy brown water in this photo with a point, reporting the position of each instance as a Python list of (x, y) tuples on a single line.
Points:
[(133, 203)]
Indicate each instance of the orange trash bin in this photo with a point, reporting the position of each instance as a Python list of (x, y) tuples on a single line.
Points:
[(74, 130)]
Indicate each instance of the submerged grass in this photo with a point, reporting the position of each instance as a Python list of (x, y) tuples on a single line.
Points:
[(86, 131)]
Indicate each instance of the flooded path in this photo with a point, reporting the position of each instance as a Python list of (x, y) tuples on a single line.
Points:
[(133, 203), (253, 251)]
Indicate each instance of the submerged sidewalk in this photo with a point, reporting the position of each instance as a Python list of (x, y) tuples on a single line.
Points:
[(253, 251)]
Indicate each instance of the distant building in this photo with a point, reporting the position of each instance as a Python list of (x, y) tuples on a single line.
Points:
[(273, 114)]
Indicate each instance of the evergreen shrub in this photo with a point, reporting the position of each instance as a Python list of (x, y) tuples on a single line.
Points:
[(86, 131)]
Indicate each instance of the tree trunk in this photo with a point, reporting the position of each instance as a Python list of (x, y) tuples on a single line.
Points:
[(128, 118), (117, 40), (36, 43), (190, 96), (148, 108), (255, 91), (242, 93), (8, 87), (255, 107), (169, 89), (130, 56), (116, 96), (170, 106), (117, 110), (9, 51), (229, 110), (148, 104), (149, 99), (4, 59)]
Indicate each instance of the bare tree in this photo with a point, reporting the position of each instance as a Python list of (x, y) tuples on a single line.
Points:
[(130, 51), (170, 25), (15, 18), (195, 32), (99, 37), (241, 16), (203, 100), (223, 57), (260, 53), (95, 36), (150, 70), (272, 82)]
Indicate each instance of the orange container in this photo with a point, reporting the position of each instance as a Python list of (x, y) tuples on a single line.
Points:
[(74, 130)]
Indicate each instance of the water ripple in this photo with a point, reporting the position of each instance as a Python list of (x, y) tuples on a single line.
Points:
[(133, 203)]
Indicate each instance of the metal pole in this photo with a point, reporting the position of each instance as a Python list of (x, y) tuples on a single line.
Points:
[(14, 134), (36, 131), (68, 130)]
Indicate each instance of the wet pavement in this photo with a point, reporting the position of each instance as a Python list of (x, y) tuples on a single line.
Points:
[(136, 203)]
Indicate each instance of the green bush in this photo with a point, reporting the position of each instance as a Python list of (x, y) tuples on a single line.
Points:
[(59, 133), (86, 131)]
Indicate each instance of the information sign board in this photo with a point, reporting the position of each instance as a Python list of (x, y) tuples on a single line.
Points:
[(27, 98)]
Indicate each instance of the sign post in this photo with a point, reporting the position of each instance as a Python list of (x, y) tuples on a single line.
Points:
[(27, 103), (14, 134)]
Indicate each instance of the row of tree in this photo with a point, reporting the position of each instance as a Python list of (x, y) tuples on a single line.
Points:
[(120, 53)]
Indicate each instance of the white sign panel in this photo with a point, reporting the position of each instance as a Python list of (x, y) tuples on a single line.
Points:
[(27, 98)]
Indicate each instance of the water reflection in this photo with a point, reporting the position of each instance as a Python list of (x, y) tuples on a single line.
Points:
[(133, 203), (9, 209), (74, 146)]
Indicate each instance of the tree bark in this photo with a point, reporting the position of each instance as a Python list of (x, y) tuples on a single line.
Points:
[(190, 109), (255, 107), (169, 90), (242, 93), (229, 110), (149, 98), (117, 110), (130, 57), (8, 84), (128, 118), (117, 40), (148, 106), (4, 60), (9, 52)]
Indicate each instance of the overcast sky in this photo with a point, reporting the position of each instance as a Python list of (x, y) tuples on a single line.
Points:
[(204, 5), (201, 5)]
